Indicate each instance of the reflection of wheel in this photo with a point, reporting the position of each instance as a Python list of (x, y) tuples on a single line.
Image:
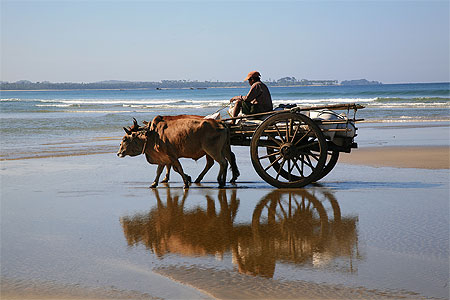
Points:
[(280, 207), (288, 150), (292, 220)]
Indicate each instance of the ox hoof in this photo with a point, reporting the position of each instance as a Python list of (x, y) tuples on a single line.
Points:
[(154, 184), (197, 180), (189, 179), (165, 180), (186, 187)]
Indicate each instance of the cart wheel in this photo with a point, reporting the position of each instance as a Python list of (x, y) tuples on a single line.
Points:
[(332, 159), (288, 150)]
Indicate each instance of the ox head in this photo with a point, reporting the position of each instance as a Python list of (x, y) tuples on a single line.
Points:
[(133, 142)]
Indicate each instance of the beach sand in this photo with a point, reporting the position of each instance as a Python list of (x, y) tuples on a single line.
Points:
[(64, 230), (400, 157)]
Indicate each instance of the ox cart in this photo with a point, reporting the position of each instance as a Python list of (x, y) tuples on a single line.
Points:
[(291, 148)]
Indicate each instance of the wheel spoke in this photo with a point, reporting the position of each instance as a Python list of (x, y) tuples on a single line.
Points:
[(281, 167), (279, 133), (315, 156), (269, 155), (290, 167), (295, 133), (288, 128), (309, 162), (305, 135), (275, 140), (298, 168), (307, 145), (275, 161), (303, 162), (289, 170)]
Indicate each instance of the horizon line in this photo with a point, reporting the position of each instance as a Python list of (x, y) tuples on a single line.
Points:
[(114, 81)]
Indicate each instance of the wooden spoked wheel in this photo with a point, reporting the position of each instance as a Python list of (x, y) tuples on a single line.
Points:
[(288, 150), (332, 159)]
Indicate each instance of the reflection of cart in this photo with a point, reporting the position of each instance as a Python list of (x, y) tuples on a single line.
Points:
[(295, 147)]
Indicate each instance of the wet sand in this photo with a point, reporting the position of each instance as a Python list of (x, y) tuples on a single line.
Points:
[(400, 157), (81, 227)]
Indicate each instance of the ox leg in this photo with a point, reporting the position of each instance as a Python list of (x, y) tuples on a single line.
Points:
[(179, 169), (158, 174), (209, 164), (166, 178), (220, 158), (229, 155), (189, 179), (222, 177)]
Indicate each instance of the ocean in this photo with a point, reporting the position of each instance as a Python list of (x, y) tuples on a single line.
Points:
[(75, 122)]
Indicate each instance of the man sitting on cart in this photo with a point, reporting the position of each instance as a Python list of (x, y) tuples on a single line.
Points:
[(258, 99)]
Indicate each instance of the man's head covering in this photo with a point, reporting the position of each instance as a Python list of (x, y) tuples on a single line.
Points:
[(252, 74)]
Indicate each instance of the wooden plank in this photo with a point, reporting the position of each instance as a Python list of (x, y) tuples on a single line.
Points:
[(299, 108)]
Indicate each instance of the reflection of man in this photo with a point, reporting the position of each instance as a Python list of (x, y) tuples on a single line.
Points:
[(258, 99)]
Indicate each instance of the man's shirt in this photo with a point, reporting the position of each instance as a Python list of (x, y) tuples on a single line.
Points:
[(260, 92)]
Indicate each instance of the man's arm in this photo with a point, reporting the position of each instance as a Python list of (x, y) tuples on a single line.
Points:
[(254, 92)]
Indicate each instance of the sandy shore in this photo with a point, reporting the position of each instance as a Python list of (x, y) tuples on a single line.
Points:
[(400, 157), (13, 289)]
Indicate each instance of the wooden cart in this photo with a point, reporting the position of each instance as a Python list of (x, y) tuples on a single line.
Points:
[(291, 148)]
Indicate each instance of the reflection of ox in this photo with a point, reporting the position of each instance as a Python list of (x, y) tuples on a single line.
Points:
[(169, 138), (292, 227)]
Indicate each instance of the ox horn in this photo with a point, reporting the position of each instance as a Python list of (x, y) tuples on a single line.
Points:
[(135, 122), (128, 131)]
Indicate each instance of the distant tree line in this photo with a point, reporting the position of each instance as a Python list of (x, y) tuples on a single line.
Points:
[(114, 84), (360, 82)]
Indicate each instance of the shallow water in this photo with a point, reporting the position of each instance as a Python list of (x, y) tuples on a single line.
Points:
[(32, 122), (91, 220)]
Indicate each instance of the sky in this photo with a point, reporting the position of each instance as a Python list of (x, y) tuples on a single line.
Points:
[(89, 41)]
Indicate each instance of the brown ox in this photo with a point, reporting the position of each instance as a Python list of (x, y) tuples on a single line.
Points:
[(169, 138), (209, 161)]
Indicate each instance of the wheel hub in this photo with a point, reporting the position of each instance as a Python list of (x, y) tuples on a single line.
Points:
[(288, 150)]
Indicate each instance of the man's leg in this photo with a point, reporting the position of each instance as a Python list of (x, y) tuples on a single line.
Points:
[(236, 109)]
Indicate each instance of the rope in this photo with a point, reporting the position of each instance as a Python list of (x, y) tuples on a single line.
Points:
[(226, 105)]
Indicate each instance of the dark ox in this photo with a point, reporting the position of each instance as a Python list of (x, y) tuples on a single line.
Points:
[(172, 137)]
